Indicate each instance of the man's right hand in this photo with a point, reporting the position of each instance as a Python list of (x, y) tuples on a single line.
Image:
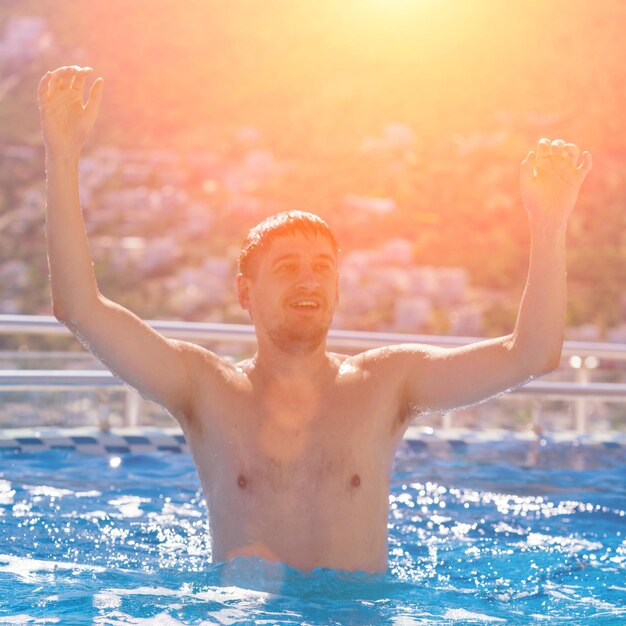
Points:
[(65, 121)]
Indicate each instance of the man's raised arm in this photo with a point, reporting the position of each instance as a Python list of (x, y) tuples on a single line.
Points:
[(440, 379), (159, 368)]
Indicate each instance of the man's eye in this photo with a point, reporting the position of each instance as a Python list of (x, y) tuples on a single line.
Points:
[(322, 267), (287, 267)]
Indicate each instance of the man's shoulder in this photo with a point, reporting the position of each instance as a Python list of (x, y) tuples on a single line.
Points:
[(202, 361), (217, 382), (391, 356)]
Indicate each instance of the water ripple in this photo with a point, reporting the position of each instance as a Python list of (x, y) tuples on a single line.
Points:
[(475, 537)]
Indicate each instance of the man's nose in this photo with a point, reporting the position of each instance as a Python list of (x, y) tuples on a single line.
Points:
[(307, 279)]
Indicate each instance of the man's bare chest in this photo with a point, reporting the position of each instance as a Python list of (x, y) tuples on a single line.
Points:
[(277, 441)]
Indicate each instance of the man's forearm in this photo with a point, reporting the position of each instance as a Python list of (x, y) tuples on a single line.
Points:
[(66, 123), (550, 180), (71, 270), (538, 335)]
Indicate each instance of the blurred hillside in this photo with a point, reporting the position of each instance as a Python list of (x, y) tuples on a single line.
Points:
[(318, 76), (430, 105)]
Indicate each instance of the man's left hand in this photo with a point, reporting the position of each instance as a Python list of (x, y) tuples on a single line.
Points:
[(550, 179)]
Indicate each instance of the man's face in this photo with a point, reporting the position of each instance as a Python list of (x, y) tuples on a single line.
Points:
[(292, 293)]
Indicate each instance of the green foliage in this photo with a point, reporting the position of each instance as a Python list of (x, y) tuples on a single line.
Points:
[(318, 80)]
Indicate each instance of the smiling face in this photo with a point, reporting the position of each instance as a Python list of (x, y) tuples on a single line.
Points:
[(292, 293)]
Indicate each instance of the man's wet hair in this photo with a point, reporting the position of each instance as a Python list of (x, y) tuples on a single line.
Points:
[(279, 225)]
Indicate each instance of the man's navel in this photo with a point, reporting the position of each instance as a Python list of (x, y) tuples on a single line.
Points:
[(242, 481), (355, 481)]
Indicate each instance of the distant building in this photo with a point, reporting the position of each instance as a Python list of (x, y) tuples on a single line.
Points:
[(422, 280), (411, 313), (368, 204), (359, 260), (199, 220), (398, 251), (141, 204), (255, 168), (13, 276), (160, 253), (197, 289), (388, 280), (451, 287), (24, 37), (466, 321), (213, 280), (584, 332)]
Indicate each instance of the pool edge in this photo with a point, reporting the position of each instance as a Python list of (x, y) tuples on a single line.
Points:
[(151, 439)]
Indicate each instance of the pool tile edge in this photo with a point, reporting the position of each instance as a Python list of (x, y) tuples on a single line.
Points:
[(145, 440)]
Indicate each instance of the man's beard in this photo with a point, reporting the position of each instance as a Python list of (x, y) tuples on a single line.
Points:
[(299, 338)]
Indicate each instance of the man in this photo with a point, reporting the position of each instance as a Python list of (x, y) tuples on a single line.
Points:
[(294, 447)]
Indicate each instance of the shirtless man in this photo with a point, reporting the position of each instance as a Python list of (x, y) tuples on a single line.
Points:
[(294, 447)]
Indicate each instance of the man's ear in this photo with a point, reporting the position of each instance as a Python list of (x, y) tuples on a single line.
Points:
[(243, 292)]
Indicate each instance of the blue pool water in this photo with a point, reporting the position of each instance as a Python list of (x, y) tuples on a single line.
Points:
[(505, 533)]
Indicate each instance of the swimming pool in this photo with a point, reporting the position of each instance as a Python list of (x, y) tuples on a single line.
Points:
[(480, 533)]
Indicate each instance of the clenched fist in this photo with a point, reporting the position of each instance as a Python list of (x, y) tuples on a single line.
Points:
[(550, 179)]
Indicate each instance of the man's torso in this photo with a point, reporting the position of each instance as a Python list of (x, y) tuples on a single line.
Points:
[(299, 472)]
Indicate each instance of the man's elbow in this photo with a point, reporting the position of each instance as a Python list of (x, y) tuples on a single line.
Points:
[(67, 315), (547, 365), (59, 311), (535, 361)]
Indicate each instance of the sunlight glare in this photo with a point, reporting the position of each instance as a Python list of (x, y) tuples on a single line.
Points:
[(385, 10), (398, 5)]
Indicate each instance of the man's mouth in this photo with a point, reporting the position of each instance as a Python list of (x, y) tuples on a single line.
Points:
[(305, 304)]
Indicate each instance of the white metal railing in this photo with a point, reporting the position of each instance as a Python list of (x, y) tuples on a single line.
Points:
[(580, 390), (14, 380), (351, 339)]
